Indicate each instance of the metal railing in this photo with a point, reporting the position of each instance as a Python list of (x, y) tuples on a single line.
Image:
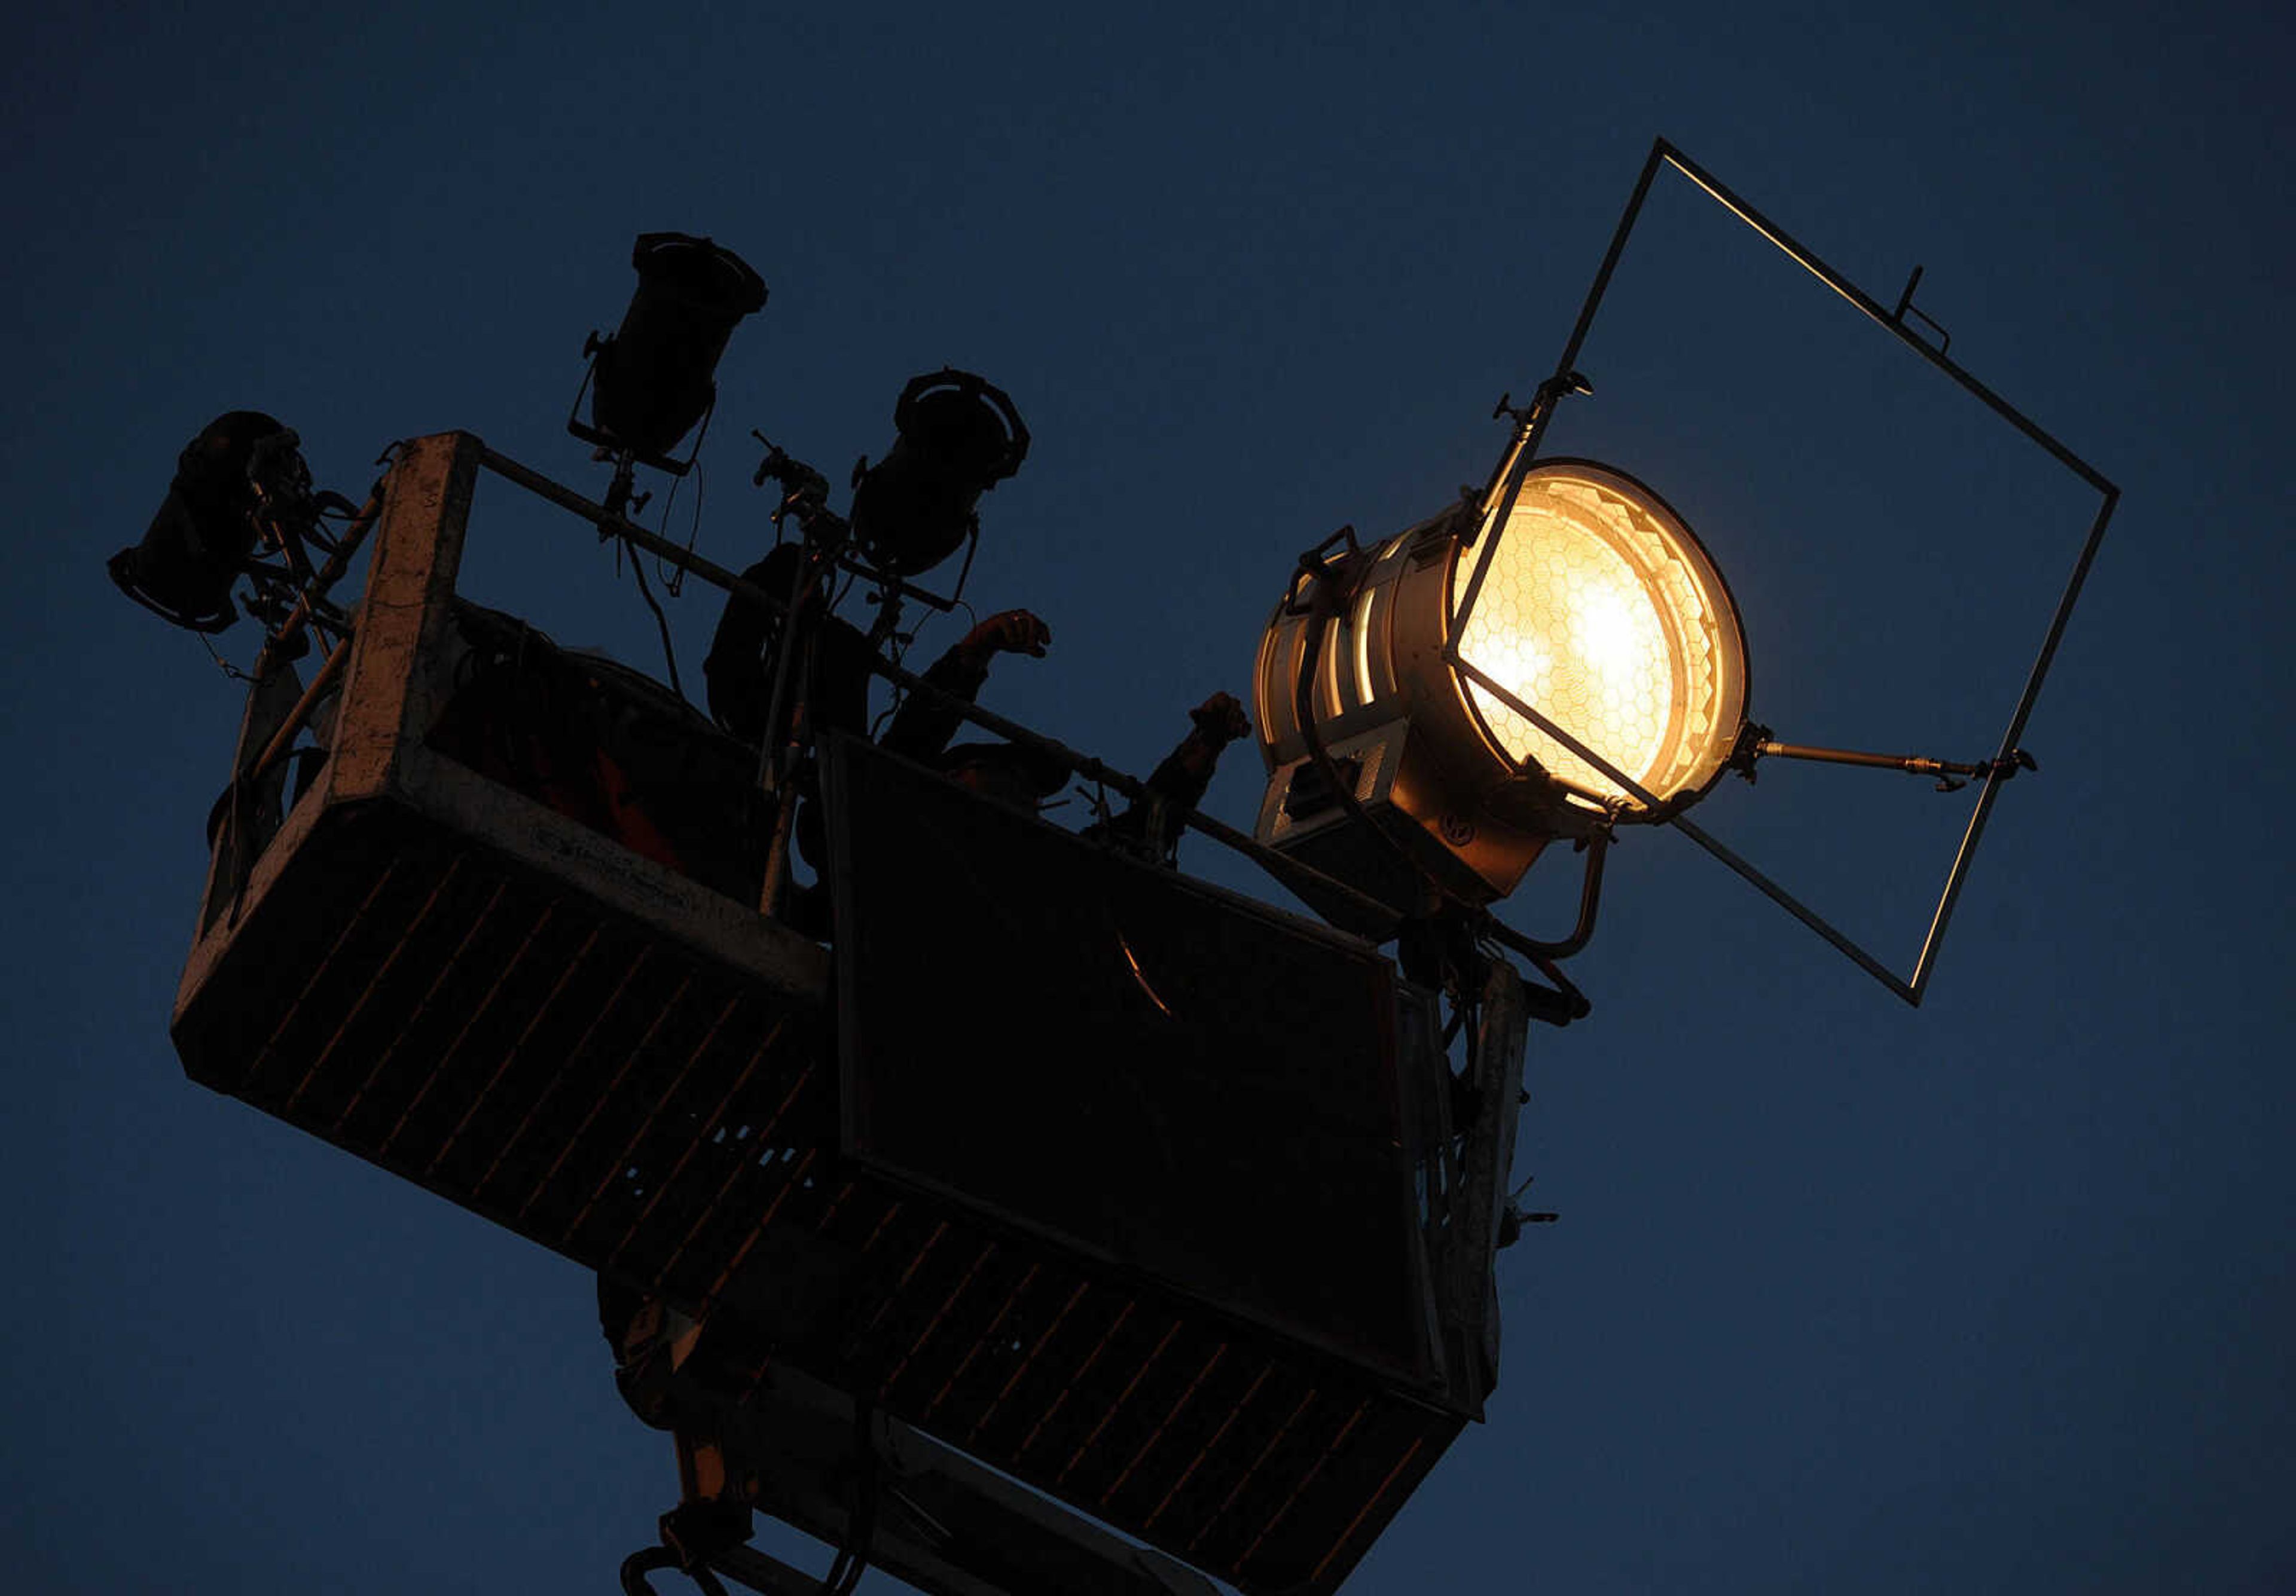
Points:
[(1382, 918)]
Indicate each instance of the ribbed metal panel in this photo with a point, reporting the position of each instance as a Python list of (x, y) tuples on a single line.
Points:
[(513, 1046), (527, 1054), (1253, 1458)]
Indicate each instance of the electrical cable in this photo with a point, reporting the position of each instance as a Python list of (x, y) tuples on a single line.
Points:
[(972, 547), (899, 654), (675, 585), (207, 642), (896, 651), (661, 621), (693, 530)]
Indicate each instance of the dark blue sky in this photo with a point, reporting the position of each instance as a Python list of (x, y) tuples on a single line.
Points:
[(1992, 1295)]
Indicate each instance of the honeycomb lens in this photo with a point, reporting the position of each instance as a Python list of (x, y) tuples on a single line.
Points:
[(1602, 612)]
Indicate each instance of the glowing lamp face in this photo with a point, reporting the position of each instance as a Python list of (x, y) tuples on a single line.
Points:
[(1601, 611)]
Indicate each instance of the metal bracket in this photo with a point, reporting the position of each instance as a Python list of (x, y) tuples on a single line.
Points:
[(1906, 307)]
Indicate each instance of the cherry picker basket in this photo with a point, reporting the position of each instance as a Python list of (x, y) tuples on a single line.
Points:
[(1142, 1192)]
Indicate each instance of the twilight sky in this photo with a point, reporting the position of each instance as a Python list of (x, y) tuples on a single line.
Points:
[(1992, 1295)]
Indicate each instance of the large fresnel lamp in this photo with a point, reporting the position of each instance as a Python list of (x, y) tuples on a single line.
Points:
[(1436, 709)]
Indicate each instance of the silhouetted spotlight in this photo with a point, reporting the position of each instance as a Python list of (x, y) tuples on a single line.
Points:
[(655, 378), (205, 532), (956, 436), (1595, 606)]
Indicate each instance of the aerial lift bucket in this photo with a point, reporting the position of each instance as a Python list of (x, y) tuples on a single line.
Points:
[(1142, 1193)]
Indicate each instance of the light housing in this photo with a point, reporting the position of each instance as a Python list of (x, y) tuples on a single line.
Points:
[(205, 531), (656, 376), (956, 436), (1592, 603)]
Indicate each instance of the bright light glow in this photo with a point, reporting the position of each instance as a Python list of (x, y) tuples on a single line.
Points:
[(1601, 612), (1359, 624), (1141, 977)]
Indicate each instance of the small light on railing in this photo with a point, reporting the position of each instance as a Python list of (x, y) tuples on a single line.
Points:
[(956, 436), (655, 378)]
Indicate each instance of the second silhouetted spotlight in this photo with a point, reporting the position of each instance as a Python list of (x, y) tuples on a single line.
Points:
[(956, 436), (655, 378)]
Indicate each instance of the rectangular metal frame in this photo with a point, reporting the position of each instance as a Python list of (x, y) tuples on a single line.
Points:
[(1509, 480)]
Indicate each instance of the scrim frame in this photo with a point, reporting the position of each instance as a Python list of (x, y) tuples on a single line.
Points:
[(1507, 485)]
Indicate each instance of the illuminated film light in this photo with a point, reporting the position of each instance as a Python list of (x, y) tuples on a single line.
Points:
[(1595, 608)]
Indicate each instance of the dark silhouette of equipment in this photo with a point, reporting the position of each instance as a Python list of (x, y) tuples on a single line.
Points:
[(956, 436), (789, 673), (656, 377), (240, 490)]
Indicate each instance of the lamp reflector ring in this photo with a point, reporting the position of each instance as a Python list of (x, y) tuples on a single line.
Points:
[(1602, 610)]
